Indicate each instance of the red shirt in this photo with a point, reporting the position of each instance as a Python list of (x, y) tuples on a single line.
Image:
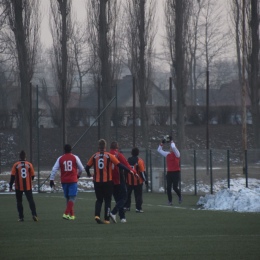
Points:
[(173, 163), (115, 169), (70, 167)]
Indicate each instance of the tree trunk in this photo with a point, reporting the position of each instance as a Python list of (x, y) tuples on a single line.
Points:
[(254, 81), (20, 39), (106, 87), (142, 76), (180, 80), (63, 81)]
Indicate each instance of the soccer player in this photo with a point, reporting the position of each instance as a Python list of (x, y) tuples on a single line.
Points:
[(71, 169), (173, 170), (23, 175), (102, 178), (134, 183), (119, 188)]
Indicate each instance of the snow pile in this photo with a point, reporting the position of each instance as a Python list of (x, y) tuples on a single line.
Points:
[(244, 200)]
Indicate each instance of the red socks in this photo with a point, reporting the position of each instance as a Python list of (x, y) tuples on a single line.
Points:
[(69, 208)]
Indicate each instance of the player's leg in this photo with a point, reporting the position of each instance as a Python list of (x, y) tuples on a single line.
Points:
[(123, 198), (176, 179), (108, 190), (99, 198), (169, 187), (116, 194), (72, 193), (19, 199), (138, 197), (128, 201), (29, 197), (65, 187)]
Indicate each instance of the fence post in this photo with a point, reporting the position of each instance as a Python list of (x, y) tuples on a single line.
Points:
[(151, 171), (228, 169), (195, 172), (147, 168), (180, 173), (164, 173), (211, 177), (246, 168), (38, 144), (116, 113)]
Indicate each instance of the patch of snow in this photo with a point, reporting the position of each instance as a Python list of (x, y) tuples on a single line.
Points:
[(244, 200)]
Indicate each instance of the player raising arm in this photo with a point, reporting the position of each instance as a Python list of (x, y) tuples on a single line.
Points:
[(173, 169)]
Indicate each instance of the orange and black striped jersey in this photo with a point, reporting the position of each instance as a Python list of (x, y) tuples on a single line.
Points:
[(23, 172), (138, 165), (102, 162)]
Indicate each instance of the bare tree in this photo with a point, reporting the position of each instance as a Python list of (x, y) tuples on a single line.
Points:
[(24, 22), (104, 41), (176, 24), (61, 30), (193, 36), (140, 30), (253, 69)]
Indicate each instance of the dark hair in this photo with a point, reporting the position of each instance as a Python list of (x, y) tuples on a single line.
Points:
[(22, 155), (114, 145), (135, 151), (102, 144), (67, 148)]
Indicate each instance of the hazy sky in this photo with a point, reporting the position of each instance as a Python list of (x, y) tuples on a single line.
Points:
[(80, 11)]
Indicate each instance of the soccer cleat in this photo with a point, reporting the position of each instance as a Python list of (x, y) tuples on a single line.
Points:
[(35, 218), (126, 209), (106, 222), (180, 200), (123, 220), (99, 221), (169, 203), (20, 220), (72, 217), (113, 217), (139, 211), (67, 217)]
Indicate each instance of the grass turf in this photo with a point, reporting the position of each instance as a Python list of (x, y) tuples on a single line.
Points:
[(178, 232)]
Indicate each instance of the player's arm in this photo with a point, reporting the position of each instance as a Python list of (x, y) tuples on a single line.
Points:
[(32, 172), (123, 160), (160, 150), (88, 166), (120, 165), (142, 169), (79, 166), (55, 168), (175, 150), (12, 179)]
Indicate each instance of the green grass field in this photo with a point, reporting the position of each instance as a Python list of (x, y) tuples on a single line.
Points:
[(178, 232)]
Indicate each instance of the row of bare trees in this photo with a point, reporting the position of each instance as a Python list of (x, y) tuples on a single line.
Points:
[(117, 33)]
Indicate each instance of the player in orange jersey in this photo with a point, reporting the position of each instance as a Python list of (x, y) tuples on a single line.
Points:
[(134, 183), (23, 174), (102, 178)]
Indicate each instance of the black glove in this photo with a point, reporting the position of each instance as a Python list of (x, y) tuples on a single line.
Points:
[(170, 138), (52, 184), (163, 141), (146, 183)]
